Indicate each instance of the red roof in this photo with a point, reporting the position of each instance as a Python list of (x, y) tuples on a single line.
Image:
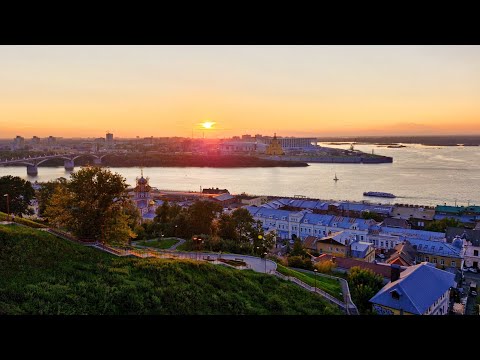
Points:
[(309, 242), (346, 263)]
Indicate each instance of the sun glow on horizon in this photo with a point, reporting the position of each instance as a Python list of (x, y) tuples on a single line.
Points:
[(208, 124)]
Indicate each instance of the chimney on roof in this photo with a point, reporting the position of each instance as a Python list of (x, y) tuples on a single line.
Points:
[(394, 272)]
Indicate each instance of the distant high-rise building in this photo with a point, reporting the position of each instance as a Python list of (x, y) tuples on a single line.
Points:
[(18, 143), (109, 140), (51, 141), (247, 137), (35, 142)]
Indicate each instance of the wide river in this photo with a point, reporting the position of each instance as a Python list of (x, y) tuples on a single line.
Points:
[(419, 174)]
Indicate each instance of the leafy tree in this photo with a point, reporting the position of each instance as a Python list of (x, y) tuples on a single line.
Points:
[(162, 213), (244, 224), (300, 262), (441, 225), (372, 215), (264, 241), (20, 193), (364, 284), (227, 227), (46, 192), (93, 205), (298, 249), (325, 267), (201, 214)]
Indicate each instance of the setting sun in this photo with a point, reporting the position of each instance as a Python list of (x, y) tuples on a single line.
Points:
[(208, 124)]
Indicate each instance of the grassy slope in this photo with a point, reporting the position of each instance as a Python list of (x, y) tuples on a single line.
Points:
[(328, 285), (27, 222), (159, 244), (41, 274)]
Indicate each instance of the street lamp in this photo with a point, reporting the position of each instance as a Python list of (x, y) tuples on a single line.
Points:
[(197, 240), (315, 272), (8, 206), (265, 257), (176, 230)]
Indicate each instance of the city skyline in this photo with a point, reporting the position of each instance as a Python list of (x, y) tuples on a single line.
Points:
[(165, 91)]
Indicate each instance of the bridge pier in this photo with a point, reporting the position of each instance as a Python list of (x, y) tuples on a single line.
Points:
[(69, 165), (32, 170), (97, 161)]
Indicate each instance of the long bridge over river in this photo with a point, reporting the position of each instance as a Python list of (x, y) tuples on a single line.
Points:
[(32, 162)]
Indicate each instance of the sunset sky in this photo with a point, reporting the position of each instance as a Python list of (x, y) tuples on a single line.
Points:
[(74, 91)]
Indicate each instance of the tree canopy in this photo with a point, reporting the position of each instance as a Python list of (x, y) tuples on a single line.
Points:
[(44, 195), (364, 284), (20, 193), (93, 204), (442, 225)]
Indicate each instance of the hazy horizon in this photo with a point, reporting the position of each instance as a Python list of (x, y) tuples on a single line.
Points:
[(166, 91), (199, 137)]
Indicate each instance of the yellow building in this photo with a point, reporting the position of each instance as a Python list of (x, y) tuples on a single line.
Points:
[(274, 148), (332, 245), (441, 262)]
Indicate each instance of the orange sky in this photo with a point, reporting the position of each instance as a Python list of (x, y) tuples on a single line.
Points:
[(292, 90)]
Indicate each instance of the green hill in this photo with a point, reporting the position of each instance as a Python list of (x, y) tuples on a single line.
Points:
[(41, 274)]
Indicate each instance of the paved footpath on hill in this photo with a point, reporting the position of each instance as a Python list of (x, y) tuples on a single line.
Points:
[(254, 263), (349, 305)]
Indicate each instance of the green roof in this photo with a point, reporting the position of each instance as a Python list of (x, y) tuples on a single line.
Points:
[(449, 209)]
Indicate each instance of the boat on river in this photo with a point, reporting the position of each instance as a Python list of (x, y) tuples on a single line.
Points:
[(379, 194)]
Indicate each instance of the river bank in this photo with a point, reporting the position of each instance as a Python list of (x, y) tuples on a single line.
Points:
[(178, 160)]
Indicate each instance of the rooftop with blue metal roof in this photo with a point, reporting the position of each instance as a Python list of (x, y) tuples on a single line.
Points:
[(413, 233), (418, 287), (436, 248)]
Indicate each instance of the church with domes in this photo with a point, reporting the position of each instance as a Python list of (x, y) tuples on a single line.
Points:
[(143, 198), (275, 148)]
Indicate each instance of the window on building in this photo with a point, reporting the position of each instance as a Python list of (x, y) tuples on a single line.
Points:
[(381, 243), (427, 259), (453, 264), (421, 223), (395, 295), (442, 262), (475, 252), (434, 260), (336, 249), (361, 237), (331, 249)]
